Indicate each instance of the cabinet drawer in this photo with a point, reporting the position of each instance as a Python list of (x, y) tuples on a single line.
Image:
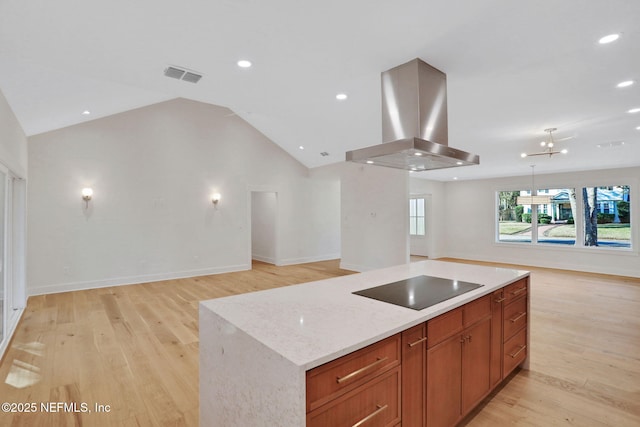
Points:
[(339, 376), (516, 289), (377, 403), (515, 317), (515, 351), (476, 310), (443, 326)]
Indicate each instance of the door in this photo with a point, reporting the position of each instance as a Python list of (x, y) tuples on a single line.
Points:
[(414, 375), (12, 232), (476, 364), (444, 382), (4, 291), (419, 224)]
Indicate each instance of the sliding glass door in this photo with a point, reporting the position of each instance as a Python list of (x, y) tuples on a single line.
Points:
[(12, 252), (4, 292)]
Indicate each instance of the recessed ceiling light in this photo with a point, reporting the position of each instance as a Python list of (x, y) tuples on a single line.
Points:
[(243, 63), (459, 163), (369, 162), (455, 178), (341, 96), (86, 112), (634, 110), (608, 39), (626, 83), (564, 151), (638, 128), (523, 155), (301, 147), (417, 154)]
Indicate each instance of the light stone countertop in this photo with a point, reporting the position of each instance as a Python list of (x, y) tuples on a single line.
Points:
[(313, 323)]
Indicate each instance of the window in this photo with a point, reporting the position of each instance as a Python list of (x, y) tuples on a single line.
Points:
[(606, 216), (514, 221), (416, 216), (601, 214), (555, 221)]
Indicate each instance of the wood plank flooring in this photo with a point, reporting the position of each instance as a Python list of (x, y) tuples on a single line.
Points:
[(135, 348)]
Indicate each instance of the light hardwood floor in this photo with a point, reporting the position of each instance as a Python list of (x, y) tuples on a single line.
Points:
[(135, 348)]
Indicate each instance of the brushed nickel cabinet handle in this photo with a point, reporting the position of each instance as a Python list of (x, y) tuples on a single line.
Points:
[(514, 355), (518, 317), (499, 300), (517, 291), (371, 415), (413, 344), (361, 370)]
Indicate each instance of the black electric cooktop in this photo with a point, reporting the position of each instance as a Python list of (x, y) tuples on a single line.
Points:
[(418, 292)]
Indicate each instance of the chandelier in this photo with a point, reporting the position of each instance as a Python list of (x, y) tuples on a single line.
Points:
[(547, 146)]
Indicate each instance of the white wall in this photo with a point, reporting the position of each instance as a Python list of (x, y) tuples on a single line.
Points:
[(470, 222), (375, 217), (263, 226), (153, 170), (432, 245), (13, 142)]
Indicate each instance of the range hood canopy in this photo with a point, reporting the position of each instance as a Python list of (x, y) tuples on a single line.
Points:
[(414, 122)]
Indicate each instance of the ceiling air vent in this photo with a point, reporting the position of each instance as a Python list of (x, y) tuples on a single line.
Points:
[(180, 74), (191, 77), (324, 154)]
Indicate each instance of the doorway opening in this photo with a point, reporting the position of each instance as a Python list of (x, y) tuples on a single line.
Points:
[(264, 231), (419, 227)]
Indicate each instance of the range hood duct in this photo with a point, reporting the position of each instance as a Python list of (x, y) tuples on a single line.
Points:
[(414, 122)]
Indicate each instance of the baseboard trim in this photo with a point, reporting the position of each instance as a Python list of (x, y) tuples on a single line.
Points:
[(557, 265), (355, 267), (304, 260), (268, 260), (10, 331), (132, 280)]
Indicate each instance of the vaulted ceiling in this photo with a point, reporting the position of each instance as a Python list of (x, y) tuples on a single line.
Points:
[(513, 68)]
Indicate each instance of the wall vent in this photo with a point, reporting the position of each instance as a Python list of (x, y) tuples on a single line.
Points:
[(324, 154), (182, 74)]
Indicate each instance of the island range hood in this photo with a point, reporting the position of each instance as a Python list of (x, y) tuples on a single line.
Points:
[(414, 122)]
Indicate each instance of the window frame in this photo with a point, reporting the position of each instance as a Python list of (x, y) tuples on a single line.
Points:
[(579, 245), (417, 217)]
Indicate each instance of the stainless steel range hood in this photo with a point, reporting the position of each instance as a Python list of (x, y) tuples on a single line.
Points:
[(414, 122)]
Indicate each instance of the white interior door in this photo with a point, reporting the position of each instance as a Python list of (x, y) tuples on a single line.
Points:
[(4, 291), (12, 253), (420, 224)]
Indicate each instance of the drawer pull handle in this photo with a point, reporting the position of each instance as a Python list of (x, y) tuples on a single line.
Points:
[(514, 355), (347, 377), (499, 300), (413, 344), (517, 291), (518, 317), (371, 415)]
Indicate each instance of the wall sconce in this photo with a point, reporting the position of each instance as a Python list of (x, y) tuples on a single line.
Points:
[(86, 195), (215, 198)]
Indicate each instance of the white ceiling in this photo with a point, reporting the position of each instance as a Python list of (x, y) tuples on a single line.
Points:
[(513, 69)]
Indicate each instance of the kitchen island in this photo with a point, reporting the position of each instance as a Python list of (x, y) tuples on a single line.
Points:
[(257, 349)]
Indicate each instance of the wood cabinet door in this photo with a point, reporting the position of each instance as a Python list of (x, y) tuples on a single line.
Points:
[(414, 378), (497, 300), (476, 364), (443, 383)]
